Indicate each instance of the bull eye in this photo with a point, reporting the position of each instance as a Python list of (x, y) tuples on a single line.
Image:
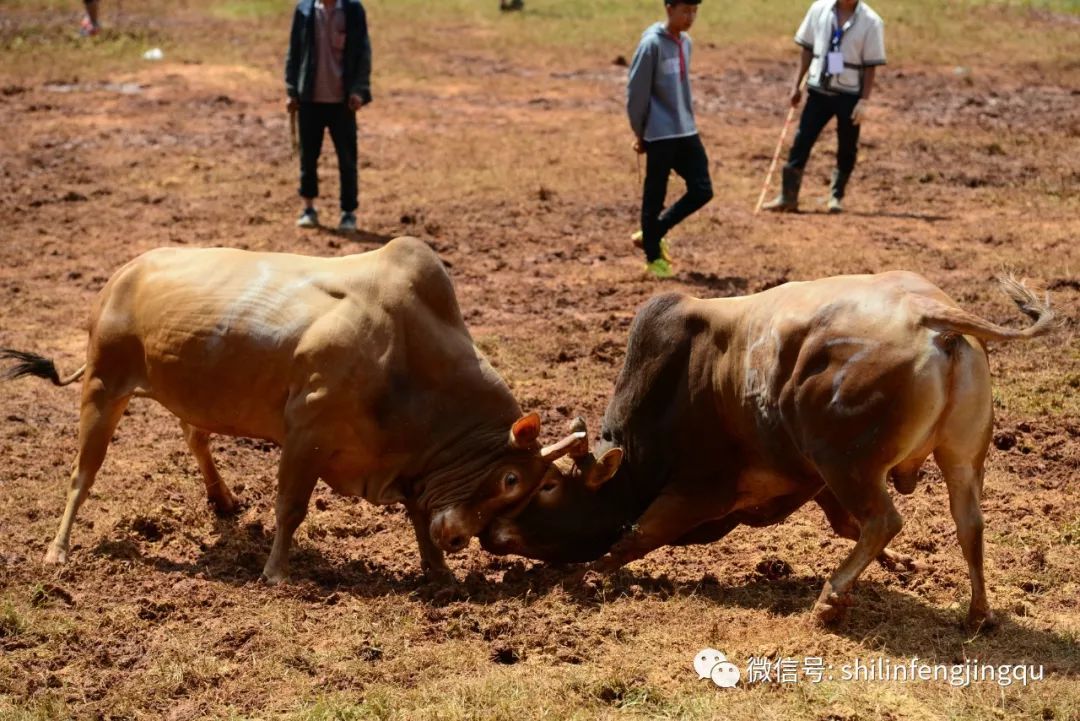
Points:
[(548, 487), (510, 481)]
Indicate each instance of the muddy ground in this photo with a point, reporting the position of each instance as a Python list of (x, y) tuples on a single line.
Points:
[(519, 174)]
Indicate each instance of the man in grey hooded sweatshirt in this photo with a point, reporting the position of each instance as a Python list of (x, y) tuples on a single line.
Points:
[(661, 114)]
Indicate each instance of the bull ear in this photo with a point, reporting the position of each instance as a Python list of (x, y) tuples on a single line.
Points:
[(525, 431), (605, 467)]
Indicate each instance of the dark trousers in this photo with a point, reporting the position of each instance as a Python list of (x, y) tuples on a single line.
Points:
[(686, 156), (314, 118), (819, 110)]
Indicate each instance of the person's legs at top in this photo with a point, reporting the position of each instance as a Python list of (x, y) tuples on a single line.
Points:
[(814, 117), (312, 121), (90, 25), (847, 149), (691, 163), (342, 125), (659, 158)]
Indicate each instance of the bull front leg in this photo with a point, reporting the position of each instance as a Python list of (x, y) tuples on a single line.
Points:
[(432, 562), (669, 518), (296, 481)]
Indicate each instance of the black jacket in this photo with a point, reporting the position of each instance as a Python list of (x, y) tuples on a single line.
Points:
[(300, 61)]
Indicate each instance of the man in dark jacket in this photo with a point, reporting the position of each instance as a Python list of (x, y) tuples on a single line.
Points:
[(328, 78)]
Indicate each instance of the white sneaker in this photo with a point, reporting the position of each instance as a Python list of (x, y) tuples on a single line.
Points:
[(308, 219)]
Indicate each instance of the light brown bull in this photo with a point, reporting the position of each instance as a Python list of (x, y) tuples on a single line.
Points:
[(359, 367)]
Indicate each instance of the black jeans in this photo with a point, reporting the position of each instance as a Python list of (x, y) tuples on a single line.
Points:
[(686, 156), (314, 119), (819, 110)]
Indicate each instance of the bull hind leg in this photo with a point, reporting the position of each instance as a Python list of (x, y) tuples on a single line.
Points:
[(845, 526), (965, 482), (964, 439), (863, 495), (219, 495), (99, 415)]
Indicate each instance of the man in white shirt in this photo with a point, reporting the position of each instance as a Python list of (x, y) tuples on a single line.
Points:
[(843, 43)]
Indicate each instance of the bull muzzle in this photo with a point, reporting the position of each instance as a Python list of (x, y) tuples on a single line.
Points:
[(449, 532)]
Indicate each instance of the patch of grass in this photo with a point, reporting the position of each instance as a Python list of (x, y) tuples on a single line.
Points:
[(632, 693), (1070, 533), (251, 9), (185, 671), (47, 707), (11, 621), (375, 706)]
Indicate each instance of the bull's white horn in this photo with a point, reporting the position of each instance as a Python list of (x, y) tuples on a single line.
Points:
[(573, 442)]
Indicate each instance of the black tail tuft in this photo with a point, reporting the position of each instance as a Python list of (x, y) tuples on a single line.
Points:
[(28, 364)]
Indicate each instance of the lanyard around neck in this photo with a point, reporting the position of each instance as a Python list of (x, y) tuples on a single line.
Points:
[(838, 28)]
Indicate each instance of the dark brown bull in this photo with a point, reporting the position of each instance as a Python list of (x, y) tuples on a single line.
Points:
[(739, 411)]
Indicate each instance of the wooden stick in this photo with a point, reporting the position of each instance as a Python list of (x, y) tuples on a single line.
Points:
[(775, 157)]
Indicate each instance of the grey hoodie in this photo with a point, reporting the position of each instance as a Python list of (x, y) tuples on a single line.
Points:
[(658, 91)]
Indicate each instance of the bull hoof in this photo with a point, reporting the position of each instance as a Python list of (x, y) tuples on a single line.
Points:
[(442, 576), (981, 620), (55, 556), (225, 506), (274, 577), (831, 610), (441, 588), (594, 580), (448, 593), (575, 578), (897, 562)]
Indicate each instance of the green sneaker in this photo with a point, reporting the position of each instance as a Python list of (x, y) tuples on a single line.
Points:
[(660, 269), (835, 206), (639, 242)]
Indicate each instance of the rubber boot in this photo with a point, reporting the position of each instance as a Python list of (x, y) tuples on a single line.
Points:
[(788, 200), (836, 191)]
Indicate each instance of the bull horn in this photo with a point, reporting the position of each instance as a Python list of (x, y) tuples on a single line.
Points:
[(578, 426), (573, 443)]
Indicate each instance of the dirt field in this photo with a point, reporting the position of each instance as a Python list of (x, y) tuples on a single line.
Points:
[(501, 141)]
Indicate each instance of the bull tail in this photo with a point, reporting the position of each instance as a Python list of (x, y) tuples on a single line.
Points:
[(949, 319), (31, 364)]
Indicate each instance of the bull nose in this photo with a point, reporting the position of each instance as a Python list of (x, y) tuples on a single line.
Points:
[(498, 539), (448, 533)]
